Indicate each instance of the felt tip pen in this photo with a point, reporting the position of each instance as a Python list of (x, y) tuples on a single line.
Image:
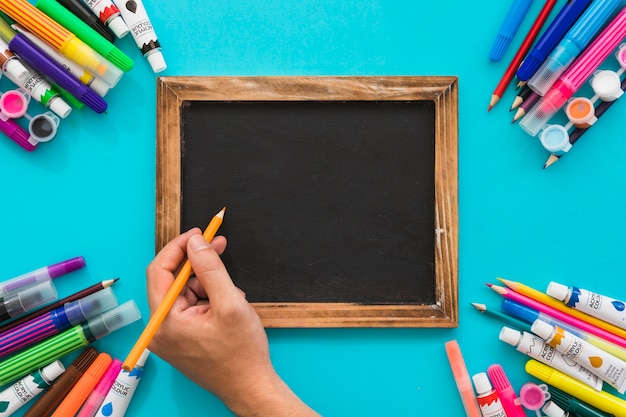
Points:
[(17, 134), (507, 395), (462, 379), (84, 76), (110, 15), (24, 390), (597, 305), (27, 299), (135, 15), (84, 13), (567, 16), (39, 275), (90, 37), (601, 400), (35, 57), (59, 38), (56, 321), (573, 405), (100, 391), (124, 387), (606, 366), (572, 44), (68, 341), (576, 74), (509, 27)]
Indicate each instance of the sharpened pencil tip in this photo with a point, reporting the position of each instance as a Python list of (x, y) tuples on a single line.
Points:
[(479, 307), (488, 284)]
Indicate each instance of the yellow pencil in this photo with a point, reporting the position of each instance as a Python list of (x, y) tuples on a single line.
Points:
[(165, 306), (558, 305)]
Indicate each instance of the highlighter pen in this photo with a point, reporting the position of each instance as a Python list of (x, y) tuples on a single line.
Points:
[(59, 38), (43, 274), (93, 402), (91, 38), (573, 405), (56, 321), (68, 341), (17, 134), (109, 14), (561, 24), (79, 393), (462, 379), (35, 57), (24, 390), (507, 395), (26, 300), (84, 76), (572, 44), (53, 396), (574, 77), (602, 400), (84, 13), (509, 27)]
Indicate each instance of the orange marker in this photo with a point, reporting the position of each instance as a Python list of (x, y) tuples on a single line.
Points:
[(165, 306), (77, 396), (462, 379)]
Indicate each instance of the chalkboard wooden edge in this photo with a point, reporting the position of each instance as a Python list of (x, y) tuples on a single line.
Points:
[(173, 92)]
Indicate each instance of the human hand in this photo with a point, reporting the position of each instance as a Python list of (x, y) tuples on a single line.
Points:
[(219, 344)]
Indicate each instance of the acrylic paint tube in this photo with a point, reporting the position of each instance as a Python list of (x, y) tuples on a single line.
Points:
[(135, 15), (488, 400), (536, 348), (599, 306), (604, 365), (27, 388), (118, 399)]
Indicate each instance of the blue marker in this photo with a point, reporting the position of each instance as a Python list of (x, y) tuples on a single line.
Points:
[(509, 27), (562, 23), (572, 44)]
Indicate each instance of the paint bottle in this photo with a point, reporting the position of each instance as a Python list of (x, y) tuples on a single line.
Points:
[(536, 348), (606, 84), (118, 399), (581, 113), (602, 307), (555, 139), (604, 365), (488, 400), (27, 388)]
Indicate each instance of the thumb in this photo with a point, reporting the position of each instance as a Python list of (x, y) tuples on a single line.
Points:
[(209, 269)]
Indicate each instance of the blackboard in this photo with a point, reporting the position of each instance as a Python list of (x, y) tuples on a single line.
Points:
[(341, 192)]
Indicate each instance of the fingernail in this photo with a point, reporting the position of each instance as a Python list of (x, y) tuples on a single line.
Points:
[(197, 243)]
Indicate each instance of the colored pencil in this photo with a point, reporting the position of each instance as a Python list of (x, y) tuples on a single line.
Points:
[(502, 317), (524, 107), (521, 52), (521, 97), (167, 302)]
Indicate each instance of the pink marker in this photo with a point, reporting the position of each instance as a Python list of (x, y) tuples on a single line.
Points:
[(93, 402), (511, 404), (572, 79)]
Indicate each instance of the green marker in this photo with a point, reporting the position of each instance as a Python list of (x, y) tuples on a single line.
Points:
[(86, 34), (68, 341), (24, 390)]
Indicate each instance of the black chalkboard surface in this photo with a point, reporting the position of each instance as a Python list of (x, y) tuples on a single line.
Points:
[(333, 216)]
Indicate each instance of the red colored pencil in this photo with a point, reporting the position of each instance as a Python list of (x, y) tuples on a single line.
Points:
[(521, 52)]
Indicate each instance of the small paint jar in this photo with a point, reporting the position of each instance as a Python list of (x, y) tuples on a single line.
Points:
[(43, 127), (534, 396), (606, 84), (621, 56), (555, 139), (14, 103), (580, 112)]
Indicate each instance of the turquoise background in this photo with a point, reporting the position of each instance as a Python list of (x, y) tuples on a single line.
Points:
[(91, 192)]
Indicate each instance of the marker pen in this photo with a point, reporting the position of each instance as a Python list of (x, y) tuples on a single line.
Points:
[(24, 390), (17, 134), (84, 76), (488, 400), (505, 391), (43, 274), (83, 32), (567, 16), (135, 15), (94, 401), (27, 299), (56, 321), (461, 379), (109, 14), (536, 348), (592, 303), (63, 343), (574, 41), (606, 366), (573, 405), (574, 77), (121, 393), (509, 27), (84, 13)]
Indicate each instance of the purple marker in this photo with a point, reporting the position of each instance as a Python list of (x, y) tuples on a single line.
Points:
[(46, 273), (17, 133), (37, 59)]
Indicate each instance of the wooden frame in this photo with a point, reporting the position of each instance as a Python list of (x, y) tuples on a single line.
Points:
[(173, 92)]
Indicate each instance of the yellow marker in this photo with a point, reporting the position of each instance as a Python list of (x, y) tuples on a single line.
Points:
[(165, 306), (602, 400)]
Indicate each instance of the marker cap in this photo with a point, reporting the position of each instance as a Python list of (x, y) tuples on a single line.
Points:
[(482, 383), (510, 336), (552, 410), (113, 320), (542, 329), (99, 86), (553, 67), (607, 85), (555, 139), (156, 60), (60, 107), (118, 26), (558, 291), (87, 307), (66, 267), (31, 298), (51, 372)]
